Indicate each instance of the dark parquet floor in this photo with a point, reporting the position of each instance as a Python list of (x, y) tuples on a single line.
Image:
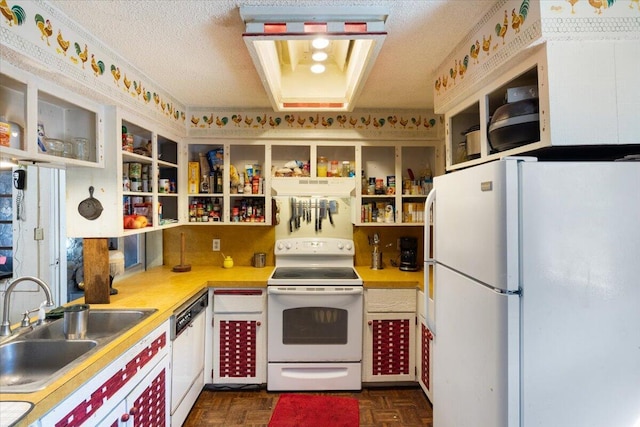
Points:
[(379, 407)]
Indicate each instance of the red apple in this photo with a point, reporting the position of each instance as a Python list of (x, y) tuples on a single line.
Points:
[(129, 221)]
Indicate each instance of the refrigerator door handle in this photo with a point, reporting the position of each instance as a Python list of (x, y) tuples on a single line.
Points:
[(429, 260)]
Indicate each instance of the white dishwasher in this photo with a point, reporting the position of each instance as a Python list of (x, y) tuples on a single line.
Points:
[(187, 351)]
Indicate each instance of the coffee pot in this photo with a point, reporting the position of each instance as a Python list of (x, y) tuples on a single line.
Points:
[(409, 254)]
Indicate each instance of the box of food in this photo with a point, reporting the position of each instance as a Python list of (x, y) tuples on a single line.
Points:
[(193, 178)]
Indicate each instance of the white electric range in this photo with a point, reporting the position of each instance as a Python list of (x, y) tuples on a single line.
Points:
[(314, 305)]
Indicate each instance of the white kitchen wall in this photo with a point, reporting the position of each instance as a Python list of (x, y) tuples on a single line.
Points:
[(43, 208)]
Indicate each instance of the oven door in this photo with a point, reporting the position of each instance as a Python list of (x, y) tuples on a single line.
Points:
[(311, 324)]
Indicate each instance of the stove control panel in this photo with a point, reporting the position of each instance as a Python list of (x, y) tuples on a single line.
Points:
[(314, 246)]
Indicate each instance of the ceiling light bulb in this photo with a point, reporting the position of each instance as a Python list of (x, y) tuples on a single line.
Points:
[(319, 56), (317, 68), (320, 43)]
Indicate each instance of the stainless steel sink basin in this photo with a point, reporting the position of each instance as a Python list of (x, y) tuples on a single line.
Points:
[(33, 359), (101, 324)]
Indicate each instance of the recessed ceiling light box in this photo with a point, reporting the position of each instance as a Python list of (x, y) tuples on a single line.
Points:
[(291, 68)]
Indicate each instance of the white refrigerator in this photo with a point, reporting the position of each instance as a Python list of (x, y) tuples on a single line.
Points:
[(536, 308)]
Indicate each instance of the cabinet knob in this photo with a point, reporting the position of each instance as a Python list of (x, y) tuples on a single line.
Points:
[(370, 322), (133, 410), (258, 323), (124, 418)]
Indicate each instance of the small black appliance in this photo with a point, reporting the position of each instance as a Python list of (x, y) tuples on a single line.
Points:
[(409, 254)]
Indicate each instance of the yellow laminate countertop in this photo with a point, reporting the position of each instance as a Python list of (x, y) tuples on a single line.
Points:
[(165, 290)]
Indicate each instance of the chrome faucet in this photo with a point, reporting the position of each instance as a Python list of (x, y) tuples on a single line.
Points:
[(5, 327)]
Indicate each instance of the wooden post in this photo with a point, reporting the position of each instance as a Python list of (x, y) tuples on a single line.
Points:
[(96, 271)]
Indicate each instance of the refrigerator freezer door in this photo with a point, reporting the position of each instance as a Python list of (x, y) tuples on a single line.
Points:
[(470, 223), (581, 294), (473, 348)]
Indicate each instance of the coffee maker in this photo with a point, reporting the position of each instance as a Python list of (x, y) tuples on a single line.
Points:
[(409, 254)]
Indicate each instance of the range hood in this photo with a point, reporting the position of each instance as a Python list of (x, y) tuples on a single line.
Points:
[(327, 187)]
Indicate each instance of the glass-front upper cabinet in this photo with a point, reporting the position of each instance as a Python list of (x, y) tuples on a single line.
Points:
[(42, 122)]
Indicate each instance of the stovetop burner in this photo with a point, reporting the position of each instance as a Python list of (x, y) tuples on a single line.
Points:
[(306, 273)]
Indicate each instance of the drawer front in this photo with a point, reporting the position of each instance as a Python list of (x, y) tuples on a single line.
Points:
[(239, 300), (390, 301)]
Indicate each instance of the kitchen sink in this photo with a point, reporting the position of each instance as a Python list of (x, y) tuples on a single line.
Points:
[(101, 324), (33, 359)]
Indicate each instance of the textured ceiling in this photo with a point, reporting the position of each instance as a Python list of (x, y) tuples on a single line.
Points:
[(194, 48)]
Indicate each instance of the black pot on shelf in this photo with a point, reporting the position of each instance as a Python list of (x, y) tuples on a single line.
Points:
[(514, 124)]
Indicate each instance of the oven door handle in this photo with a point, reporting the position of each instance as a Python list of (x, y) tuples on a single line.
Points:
[(311, 291)]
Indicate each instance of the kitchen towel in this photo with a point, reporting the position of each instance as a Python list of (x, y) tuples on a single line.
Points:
[(315, 411)]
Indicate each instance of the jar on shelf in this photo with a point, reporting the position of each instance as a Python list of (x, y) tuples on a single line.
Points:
[(334, 171), (81, 148), (461, 152), (322, 166), (346, 169), (67, 149)]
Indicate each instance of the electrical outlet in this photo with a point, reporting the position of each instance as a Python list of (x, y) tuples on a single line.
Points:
[(216, 245)]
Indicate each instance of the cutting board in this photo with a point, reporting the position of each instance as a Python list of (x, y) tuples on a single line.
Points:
[(95, 254)]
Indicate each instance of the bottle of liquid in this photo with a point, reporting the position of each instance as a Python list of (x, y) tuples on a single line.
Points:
[(364, 183), (205, 169), (217, 180), (322, 166), (204, 184)]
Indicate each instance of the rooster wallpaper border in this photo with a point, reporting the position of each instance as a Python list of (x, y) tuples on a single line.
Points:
[(511, 26), (43, 40), (46, 35), (406, 124)]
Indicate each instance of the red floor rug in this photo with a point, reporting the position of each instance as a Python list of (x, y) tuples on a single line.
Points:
[(315, 411)]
